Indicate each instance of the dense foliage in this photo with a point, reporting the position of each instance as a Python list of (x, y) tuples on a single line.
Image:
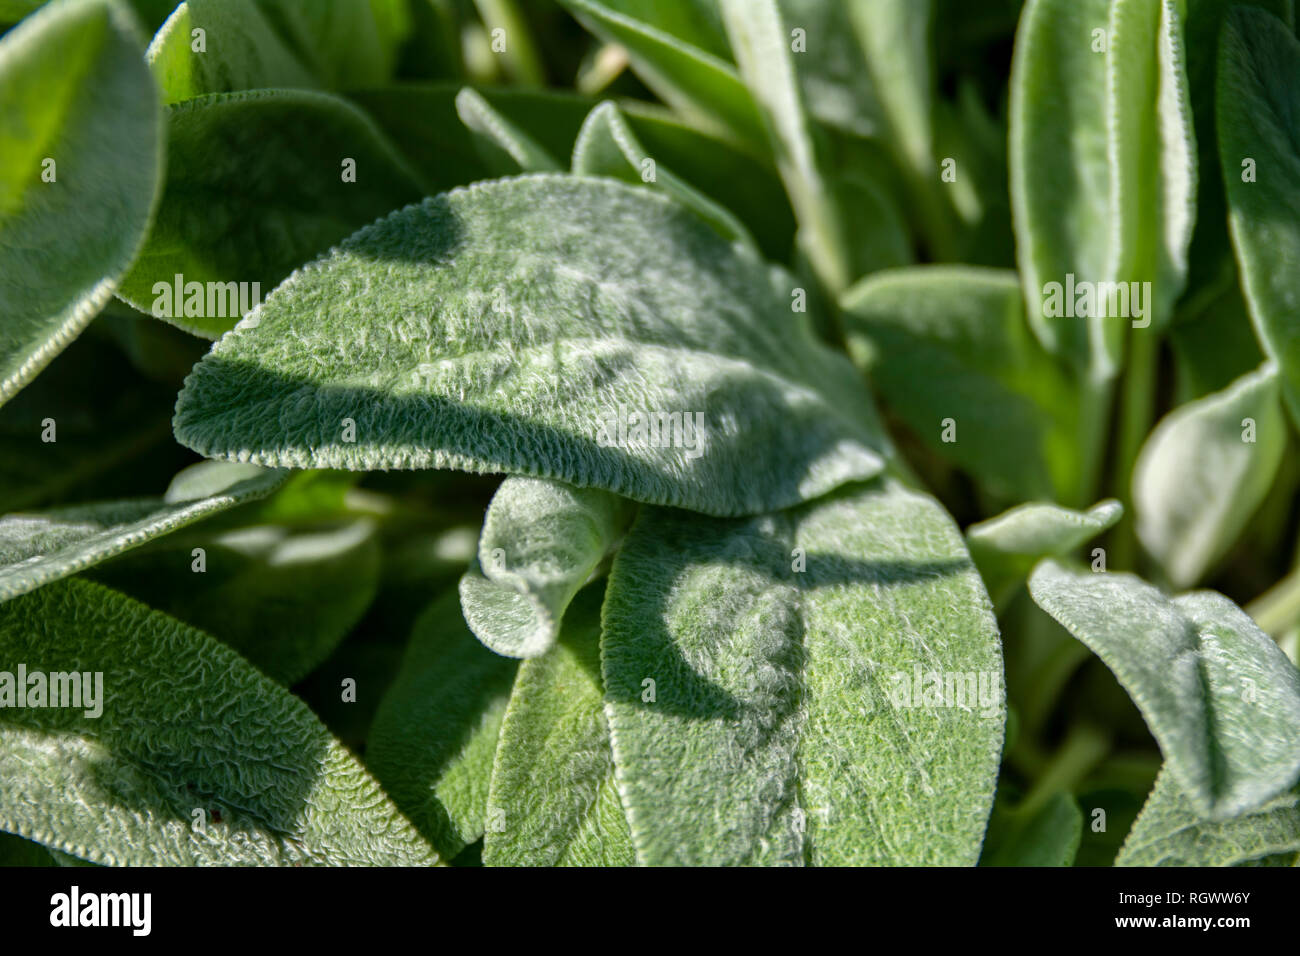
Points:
[(533, 432)]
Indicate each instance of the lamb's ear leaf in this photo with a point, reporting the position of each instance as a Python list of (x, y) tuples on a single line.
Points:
[(282, 596), (649, 358), (1103, 175), (1259, 129), (435, 734), (761, 44), (541, 542), (257, 184), (553, 779), (240, 51), (1006, 547), (195, 779), (45, 546), (836, 80), (1219, 696), (496, 135), (771, 685), (962, 332), (82, 143), (1047, 836), (1170, 832), (1204, 471), (1210, 251), (699, 83), (606, 146)]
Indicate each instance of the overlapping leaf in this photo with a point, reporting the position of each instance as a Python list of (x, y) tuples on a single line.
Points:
[(649, 358), (83, 150), (194, 757), (541, 541), (257, 184), (553, 779), (1220, 698), (41, 547), (817, 686)]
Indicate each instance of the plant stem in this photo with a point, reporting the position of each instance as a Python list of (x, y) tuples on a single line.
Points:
[(521, 54)]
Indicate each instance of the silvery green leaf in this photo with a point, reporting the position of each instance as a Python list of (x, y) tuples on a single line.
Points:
[(553, 779), (1047, 836), (435, 734), (1220, 698), (606, 146), (41, 547), (240, 51), (1103, 175), (257, 184), (83, 153), (699, 83), (1258, 103), (1210, 252), (191, 756), (1170, 832), (498, 135), (344, 43), (762, 47), (837, 83), (649, 358), (961, 331), (542, 540), (822, 685), (1205, 470), (283, 597), (894, 36), (1007, 547)]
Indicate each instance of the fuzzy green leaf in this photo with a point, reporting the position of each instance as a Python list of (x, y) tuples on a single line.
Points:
[(1169, 832), (1220, 698), (1103, 168), (1006, 548), (761, 684), (81, 137), (515, 339), (256, 186), (606, 146), (761, 44), (185, 725), (1205, 470), (962, 332), (1259, 142), (41, 547), (699, 83), (241, 51), (541, 542), (497, 135), (435, 733), (553, 780)]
